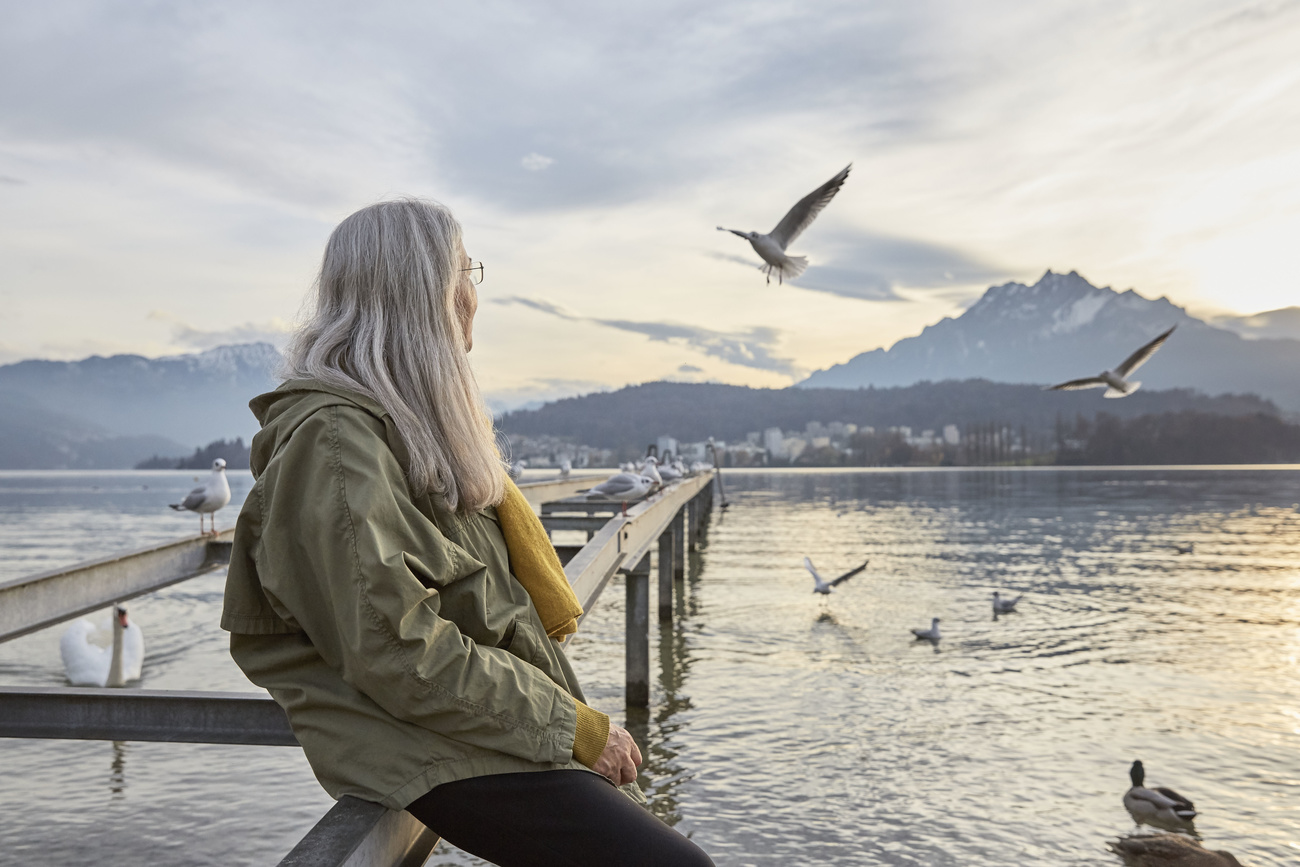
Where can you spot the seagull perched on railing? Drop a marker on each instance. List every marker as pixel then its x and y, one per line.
pixel 771 247
pixel 622 486
pixel 824 587
pixel 207 499
pixel 1116 381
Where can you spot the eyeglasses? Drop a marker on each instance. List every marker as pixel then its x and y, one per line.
pixel 475 270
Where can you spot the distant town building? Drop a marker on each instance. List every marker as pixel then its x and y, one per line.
pixel 951 435
pixel 774 442
pixel 666 445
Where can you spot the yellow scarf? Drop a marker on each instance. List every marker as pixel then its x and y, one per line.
pixel 535 564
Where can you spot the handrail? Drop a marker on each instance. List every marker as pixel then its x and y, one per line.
pixel 170 716
pixel 37 601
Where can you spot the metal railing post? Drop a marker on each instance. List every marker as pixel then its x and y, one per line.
pixel 637 637
pixel 665 558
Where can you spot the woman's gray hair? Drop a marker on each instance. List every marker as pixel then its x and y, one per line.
pixel 387 322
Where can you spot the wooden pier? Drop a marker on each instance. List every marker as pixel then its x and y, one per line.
pixel 621 538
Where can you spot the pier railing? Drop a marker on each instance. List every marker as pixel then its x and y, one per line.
pixel 354 833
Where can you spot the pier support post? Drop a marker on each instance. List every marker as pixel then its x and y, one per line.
pixel 637 636
pixel 666 576
pixel 693 510
pixel 679 543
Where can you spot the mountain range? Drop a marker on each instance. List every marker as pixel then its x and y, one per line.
pixel 114 412
pixel 634 416
pixel 1063 327
pixel 110 412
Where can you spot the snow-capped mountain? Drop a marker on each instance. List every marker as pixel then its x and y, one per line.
pixel 190 399
pixel 1063 327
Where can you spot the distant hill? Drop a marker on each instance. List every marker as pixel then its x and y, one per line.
pixel 118 411
pixel 1063 327
pixel 32 437
pixel 636 415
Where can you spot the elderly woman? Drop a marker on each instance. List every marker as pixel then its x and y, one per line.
pixel 392 590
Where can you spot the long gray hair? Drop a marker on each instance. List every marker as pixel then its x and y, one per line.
pixel 387 322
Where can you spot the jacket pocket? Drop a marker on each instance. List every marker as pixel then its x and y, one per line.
pixel 525 644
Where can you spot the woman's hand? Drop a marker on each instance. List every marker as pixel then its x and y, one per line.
pixel 620 759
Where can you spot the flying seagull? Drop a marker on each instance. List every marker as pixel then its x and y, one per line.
pixel 824 587
pixel 771 247
pixel 1116 381
pixel 207 499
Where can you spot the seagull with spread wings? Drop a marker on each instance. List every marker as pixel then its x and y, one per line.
pixel 771 247
pixel 1116 381
pixel 824 587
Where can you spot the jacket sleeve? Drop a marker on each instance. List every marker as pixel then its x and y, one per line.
pixel 346 557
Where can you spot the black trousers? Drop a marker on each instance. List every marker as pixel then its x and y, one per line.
pixel 552 819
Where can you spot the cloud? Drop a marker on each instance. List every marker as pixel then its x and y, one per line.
pixel 750 347
pixel 276 332
pixel 9 181
pixel 689 368
pixel 870 266
pixel 535 162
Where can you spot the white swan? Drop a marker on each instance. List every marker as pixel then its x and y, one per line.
pixel 99 656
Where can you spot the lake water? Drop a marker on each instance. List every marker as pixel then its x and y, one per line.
pixel 785 728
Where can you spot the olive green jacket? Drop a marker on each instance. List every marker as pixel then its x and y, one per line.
pixel 391 630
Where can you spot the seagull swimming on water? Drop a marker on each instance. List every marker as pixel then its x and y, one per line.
pixel 1004 606
pixel 207 499
pixel 824 587
pixel 931 634
pixel 1116 381
pixel 771 247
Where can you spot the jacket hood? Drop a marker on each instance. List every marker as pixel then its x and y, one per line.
pixel 280 412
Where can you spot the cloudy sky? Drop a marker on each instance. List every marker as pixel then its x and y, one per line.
pixel 169 171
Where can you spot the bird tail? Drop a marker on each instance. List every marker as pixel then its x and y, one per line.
pixel 1115 392
pixel 790 267
pixel 177 506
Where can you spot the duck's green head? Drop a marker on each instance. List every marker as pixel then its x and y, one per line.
pixel 1137 773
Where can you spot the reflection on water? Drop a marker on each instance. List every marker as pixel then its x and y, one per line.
pixel 787 728
pixel 117 772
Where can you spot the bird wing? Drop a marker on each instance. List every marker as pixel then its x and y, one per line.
pixel 806 210
pixel 1137 359
pixel 849 574
pixel 1178 799
pixel 195 498
pixel 807 564
pixel 1077 384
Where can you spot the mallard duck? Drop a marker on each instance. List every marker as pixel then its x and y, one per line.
pixel 1169 850
pixel 1156 806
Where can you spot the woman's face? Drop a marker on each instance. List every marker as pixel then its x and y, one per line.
pixel 466 301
